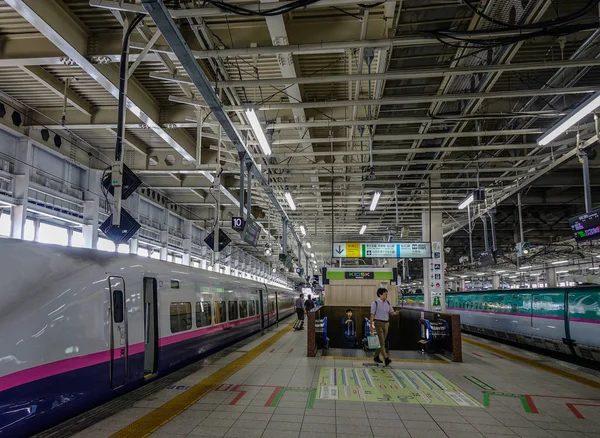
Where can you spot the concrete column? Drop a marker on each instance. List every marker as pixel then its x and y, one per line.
pixel 91 209
pixel 461 284
pixel 495 282
pixel 187 242
pixel 36 230
pixel 18 213
pixel 203 252
pixel 164 241
pixel 69 236
pixel 433 269
pixel 132 205
pixel 551 277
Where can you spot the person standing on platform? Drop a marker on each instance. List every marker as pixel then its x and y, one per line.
pixel 309 305
pixel 349 324
pixel 381 309
pixel 300 312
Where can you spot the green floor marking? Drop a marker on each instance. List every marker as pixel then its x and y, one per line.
pixel 311 399
pixel 524 401
pixel 390 386
pixel 480 384
pixel 278 397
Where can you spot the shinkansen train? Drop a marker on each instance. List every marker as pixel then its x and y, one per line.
pixel 559 320
pixel 79 326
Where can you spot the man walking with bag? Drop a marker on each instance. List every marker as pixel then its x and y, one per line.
pixel 381 309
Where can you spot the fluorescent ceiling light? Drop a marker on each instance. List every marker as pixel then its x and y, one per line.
pixel 537 274
pixel 560 262
pixel 514 276
pixel 375 201
pixel 586 108
pixel 312 254
pixel 561 272
pixel 480 273
pixel 288 197
pixel 466 202
pixel 499 272
pixel 594 268
pixel 303 230
pixel 525 267
pixel 308 245
pixel 362 229
pixel 257 128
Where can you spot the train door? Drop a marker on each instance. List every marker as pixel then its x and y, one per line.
pixel 276 307
pixel 150 326
pixel 119 344
pixel 261 308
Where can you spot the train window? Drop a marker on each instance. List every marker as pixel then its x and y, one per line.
pixel 118 306
pixel 220 312
pixel 243 309
pixel 251 308
pixel 203 314
pixel 233 310
pixel 181 317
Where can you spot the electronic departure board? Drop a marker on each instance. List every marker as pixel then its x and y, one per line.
pixel 586 227
pixel 252 232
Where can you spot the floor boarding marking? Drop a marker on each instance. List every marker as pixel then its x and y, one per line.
pixel 393 360
pixel 583 380
pixel 576 411
pixel 159 417
pixel 480 384
pixel 526 400
pixel 392 386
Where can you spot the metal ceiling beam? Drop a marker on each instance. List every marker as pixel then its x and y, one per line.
pixel 402 100
pixel 58 88
pixel 58 26
pixel 172 35
pixel 420 73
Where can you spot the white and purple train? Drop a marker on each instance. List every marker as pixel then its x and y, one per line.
pixel 79 326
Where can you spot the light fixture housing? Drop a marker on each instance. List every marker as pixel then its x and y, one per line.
pixel 290 201
pixel 582 110
pixel 362 230
pixel 257 129
pixel 303 230
pixel 375 200
pixel 560 262
pixel 466 202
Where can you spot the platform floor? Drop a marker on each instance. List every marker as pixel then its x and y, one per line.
pixel 268 388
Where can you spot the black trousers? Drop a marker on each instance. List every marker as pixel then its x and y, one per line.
pixel 300 313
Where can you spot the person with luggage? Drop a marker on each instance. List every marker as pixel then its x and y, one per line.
pixel 381 309
pixel 299 325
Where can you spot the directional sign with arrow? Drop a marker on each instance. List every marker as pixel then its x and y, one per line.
pixel 339 250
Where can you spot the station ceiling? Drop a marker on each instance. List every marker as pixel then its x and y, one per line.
pixel 357 97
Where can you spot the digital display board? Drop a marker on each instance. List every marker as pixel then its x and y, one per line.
pixel 586 227
pixel 359 275
pixel 252 232
pixel 399 250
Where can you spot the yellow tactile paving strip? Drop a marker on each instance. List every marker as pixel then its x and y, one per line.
pixel 161 416
pixel 362 359
pixel 535 364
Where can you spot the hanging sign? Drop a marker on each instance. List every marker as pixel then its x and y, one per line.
pixel 436 274
pixel 382 250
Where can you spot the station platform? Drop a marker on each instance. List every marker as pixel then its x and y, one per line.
pixel 266 387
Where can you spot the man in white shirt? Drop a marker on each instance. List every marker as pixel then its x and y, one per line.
pixel 381 309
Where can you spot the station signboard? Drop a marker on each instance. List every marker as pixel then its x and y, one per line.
pixel 382 250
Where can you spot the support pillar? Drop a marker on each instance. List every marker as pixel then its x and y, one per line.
pixel 187 242
pixel 133 208
pixel 69 236
pixel 587 189
pixel 462 284
pixel 36 230
pixel 551 277
pixel 20 193
pixel 164 242
pixel 284 235
pixel 91 210
pixel 433 269
pixel 495 282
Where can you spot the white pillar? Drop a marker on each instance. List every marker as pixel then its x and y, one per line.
pixel 36 230
pixel 69 236
pixel 164 236
pixel 187 242
pixel 433 269
pixel 18 213
pixel 91 209
pixel 495 282
pixel 132 205
pixel 551 277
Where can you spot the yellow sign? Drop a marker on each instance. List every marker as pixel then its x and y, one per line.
pixel 352 250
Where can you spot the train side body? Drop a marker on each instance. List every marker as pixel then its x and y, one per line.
pixel 66 347
pixel 558 320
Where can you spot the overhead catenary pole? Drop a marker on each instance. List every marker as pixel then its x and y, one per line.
pixel 242 177
pixel 470 234
pixel 520 208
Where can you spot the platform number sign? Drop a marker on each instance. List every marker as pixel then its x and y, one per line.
pixel 238 223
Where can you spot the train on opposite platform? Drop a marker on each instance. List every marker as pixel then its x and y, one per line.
pixel 561 320
pixel 81 326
